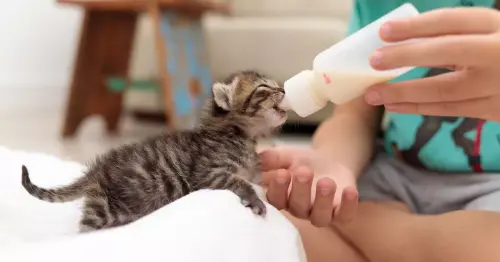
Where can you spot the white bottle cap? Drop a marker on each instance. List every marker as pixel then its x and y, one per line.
pixel 298 95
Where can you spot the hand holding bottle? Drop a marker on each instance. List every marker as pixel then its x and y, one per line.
pixel 466 40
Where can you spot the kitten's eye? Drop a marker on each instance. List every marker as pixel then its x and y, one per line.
pixel 261 94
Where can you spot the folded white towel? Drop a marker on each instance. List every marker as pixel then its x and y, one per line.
pixel 203 226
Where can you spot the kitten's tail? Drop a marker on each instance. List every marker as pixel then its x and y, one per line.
pixel 67 193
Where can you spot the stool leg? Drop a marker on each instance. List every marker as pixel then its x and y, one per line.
pixel 104 50
pixel 165 78
pixel 179 39
pixel 201 78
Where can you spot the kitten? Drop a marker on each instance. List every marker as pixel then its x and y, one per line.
pixel 134 180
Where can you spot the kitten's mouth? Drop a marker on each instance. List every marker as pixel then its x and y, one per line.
pixel 279 111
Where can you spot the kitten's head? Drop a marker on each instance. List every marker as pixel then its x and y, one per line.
pixel 250 100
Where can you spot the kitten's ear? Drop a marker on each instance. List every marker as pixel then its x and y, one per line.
pixel 223 95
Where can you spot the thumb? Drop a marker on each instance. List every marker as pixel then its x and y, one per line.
pixel 277 158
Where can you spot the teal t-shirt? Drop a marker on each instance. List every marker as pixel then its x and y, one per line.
pixel 445 144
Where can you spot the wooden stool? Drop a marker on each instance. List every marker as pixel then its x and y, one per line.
pixel 185 73
pixel 104 51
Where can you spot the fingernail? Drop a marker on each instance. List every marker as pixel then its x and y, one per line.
pixel 325 191
pixel 303 179
pixel 376 58
pixel 385 30
pixel 352 196
pixel 373 98
pixel 281 180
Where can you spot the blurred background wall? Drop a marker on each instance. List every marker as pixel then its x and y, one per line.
pixel 279 37
pixel 37 48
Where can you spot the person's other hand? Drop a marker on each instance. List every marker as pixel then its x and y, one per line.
pixel 466 40
pixel 308 186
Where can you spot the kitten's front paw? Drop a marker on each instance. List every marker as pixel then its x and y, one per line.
pixel 258 207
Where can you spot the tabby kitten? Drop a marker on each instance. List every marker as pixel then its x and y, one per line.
pixel 134 180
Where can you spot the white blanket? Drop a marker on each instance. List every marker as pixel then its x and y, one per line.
pixel 203 226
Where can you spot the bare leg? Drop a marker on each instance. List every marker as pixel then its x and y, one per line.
pixel 388 232
pixel 324 244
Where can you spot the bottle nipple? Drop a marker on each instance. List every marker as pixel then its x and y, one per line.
pixel 299 95
pixel 285 104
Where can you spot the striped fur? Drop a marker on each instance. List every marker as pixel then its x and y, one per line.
pixel 134 180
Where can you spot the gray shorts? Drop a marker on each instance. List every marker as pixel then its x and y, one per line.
pixel 425 192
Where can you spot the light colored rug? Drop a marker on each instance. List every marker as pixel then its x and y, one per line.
pixel 203 226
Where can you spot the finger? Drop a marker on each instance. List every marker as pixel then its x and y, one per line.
pixel 483 108
pixel 465 50
pixel 322 209
pixel 348 206
pixel 277 193
pixel 440 22
pixel 454 86
pixel 267 177
pixel 277 158
pixel 300 195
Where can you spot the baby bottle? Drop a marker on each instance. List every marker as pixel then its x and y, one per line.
pixel 343 72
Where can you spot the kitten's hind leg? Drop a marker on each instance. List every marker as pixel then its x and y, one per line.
pixel 90 223
pixel 85 228
pixel 241 188
pixel 94 215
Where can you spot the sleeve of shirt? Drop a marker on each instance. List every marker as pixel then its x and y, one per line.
pixel 355 19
